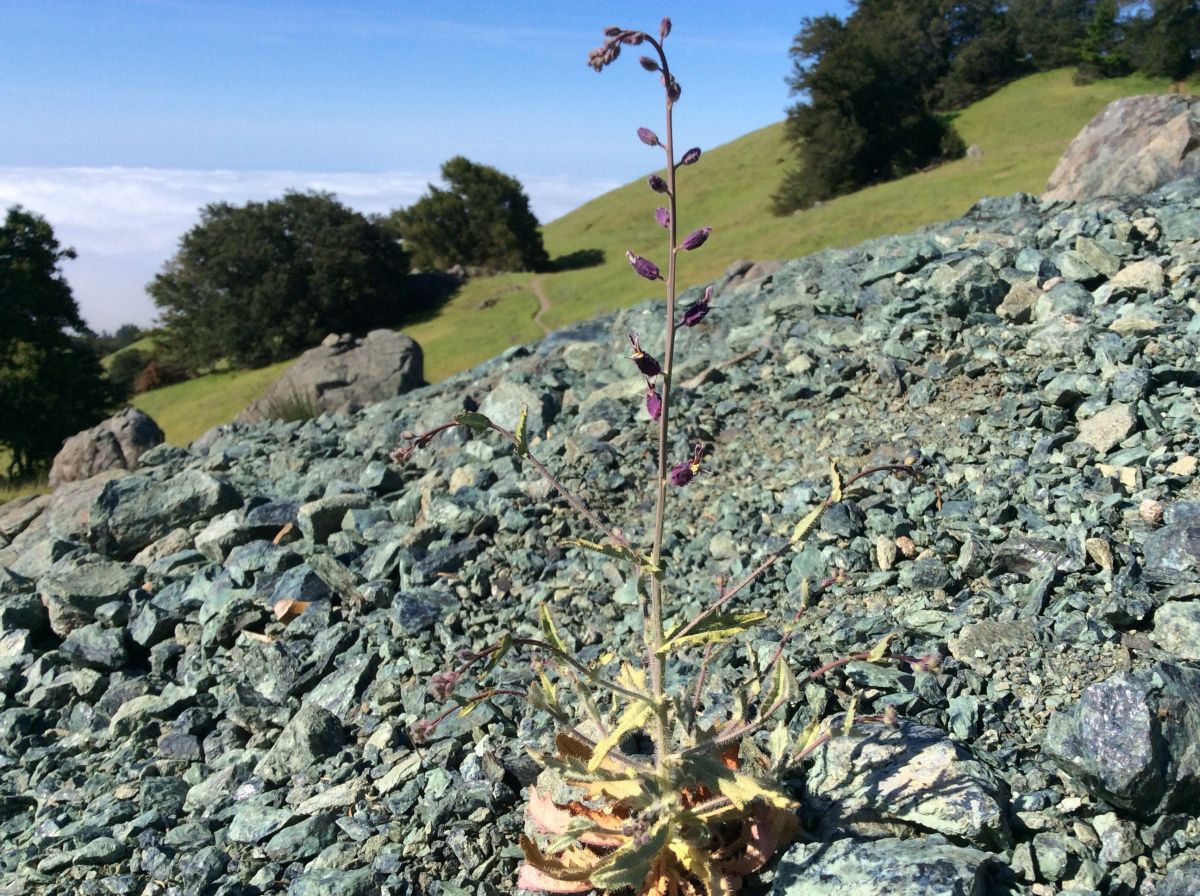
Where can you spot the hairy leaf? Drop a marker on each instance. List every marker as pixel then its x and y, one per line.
pixel 633 718
pixel 551 632
pixel 716 627
pixel 522 446
pixel 880 650
pixel 628 866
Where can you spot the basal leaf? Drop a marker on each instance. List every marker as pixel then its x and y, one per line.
pixel 742 789
pixel 632 718
pixel 629 865
pixel 778 744
pixel 473 420
pixel 716 627
pixel 574 865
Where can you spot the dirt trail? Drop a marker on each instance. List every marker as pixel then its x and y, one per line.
pixel 535 286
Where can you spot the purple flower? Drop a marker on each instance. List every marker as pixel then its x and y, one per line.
pixel 648 136
pixel 683 473
pixel 648 64
pixel 645 363
pixel 653 401
pixel 698 310
pixel 691 157
pixel 657 184
pixel 664 28
pixel 695 239
pixel 662 216
pixel 644 266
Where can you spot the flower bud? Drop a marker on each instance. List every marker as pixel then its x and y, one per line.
pixel 683 473
pixel 643 266
pixel 662 216
pixel 648 64
pixel 653 401
pixel 664 28
pixel 657 184
pixel 696 238
pixel 698 310
pixel 442 684
pixel 645 363
pixel 691 157
pixel 633 38
pixel 673 89
pixel 612 31
pixel 648 137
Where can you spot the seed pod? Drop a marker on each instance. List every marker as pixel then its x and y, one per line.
pixel 648 64
pixel 664 28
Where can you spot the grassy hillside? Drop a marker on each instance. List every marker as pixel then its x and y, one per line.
pixel 1021 130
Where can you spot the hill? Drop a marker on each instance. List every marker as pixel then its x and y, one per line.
pixel 1021 131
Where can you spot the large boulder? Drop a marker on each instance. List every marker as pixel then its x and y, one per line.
pixel 115 444
pixel 1134 145
pixel 341 375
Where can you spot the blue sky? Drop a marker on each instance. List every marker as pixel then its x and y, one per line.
pixel 121 118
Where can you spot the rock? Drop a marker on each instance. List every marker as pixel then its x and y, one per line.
pixel 1108 428
pixel 116 443
pixel 312 734
pixel 76 587
pixel 321 518
pixel 885 780
pixel 1018 303
pixel 1129 739
pixel 342 375
pixel 130 513
pixel 1141 276
pixel 1177 629
pixel 886 867
pixel 1133 145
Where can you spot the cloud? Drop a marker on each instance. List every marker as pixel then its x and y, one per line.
pixel 124 223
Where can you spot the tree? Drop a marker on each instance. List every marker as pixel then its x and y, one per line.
pixel 1103 52
pixel 1167 41
pixel 866 116
pixel 482 220
pixel 51 384
pixel 257 283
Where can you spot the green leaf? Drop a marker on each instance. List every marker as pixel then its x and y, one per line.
pixel 716 627
pixel 778 744
pixel 615 551
pixel 629 865
pixel 848 724
pixel 522 446
pixel 835 493
pixel 475 421
pixel 784 686
pixel 742 790
pixel 506 644
pixel 803 527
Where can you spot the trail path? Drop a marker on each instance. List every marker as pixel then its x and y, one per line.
pixel 535 286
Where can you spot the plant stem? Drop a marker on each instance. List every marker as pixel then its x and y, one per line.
pixel 654 617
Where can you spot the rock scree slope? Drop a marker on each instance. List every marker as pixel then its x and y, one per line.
pixel 163 729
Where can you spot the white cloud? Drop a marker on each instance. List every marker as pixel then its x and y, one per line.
pixel 126 222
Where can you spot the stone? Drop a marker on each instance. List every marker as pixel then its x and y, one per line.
pixel 1018 303
pixel 1130 739
pixel 1107 429
pixel 1177 629
pixel 1140 276
pixel 115 443
pixel 885 867
pixel 885 780
pixel 312 734
pixel 1132 145
pixel 321 518
pixel 132 512
pixel 342 375
pixel 76 587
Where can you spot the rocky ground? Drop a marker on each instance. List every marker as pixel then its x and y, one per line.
pixel 162 731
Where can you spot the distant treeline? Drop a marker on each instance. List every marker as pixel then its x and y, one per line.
pixel 874 88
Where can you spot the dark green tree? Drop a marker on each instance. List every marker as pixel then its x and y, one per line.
pixel 1048 32
pixel 482 219
pixel 865 115
pixel 258 283
pixel 1103 53
pixel 51 384
pixel 1167 40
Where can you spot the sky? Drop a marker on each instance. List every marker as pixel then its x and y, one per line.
pixel 121 119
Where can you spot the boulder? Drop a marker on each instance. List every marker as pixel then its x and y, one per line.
pixel 341 375
pixel 114 444
pixel 1134 145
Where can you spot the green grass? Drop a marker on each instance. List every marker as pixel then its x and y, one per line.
pixel 185 410
pixel 1022 130
pixel 146 345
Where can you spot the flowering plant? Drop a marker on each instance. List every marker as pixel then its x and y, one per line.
pixel 703 805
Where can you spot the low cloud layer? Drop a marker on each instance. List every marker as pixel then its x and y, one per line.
pixel 124 223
